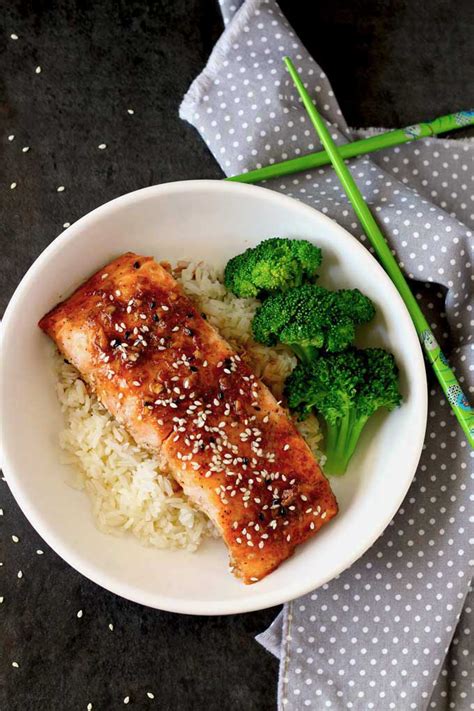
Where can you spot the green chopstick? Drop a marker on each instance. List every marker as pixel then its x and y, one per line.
pixel 443 124
pixel 448 381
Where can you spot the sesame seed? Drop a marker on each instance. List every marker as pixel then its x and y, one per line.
pixel 119 293
pixel 13 186
pixel 102 146
pixel 1 599
pixel 111 627
pixel 136 383
pixel 25 149
pixel 38 70
pixel 324 514
pixel 60 189
pixel 13 36
pixel 89 707
pixel 11 137
pixel 150 695
pixel 66 224
pixel 126 700
pixel 130 111
pixel 79 614
pixel 286 447
pixel 164 307
pixel 19 574
pixel 15 664
pixel 15 539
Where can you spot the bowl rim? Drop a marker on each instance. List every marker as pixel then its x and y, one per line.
pixel 194 606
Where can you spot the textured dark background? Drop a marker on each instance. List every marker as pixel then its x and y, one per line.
pixel 391 62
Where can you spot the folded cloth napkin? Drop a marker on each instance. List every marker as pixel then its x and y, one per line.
pixel 392 631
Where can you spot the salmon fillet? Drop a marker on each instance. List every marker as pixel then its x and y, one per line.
pixel 181 391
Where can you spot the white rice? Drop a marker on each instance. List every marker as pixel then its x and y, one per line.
pixel 126 488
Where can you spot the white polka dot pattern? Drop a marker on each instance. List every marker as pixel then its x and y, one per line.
pixel 229 8
pixel 390 632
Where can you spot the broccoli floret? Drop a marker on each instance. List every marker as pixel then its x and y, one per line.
pixel 275 264
pixel 310 317
pixel 345 389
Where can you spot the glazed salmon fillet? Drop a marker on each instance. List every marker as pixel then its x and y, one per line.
pixel 166 374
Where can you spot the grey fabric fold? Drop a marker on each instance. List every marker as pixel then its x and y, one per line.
pixel 389 633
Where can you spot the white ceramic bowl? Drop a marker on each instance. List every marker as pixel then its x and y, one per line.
pixel 212 221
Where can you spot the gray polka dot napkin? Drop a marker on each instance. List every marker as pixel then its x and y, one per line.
pixel 392 631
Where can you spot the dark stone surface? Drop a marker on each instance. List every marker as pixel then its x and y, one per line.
pixel 391 62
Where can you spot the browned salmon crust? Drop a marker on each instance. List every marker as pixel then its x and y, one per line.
pixel 164 372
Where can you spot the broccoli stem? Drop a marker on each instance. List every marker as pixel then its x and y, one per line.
pixel 306 354
pixel 341 440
